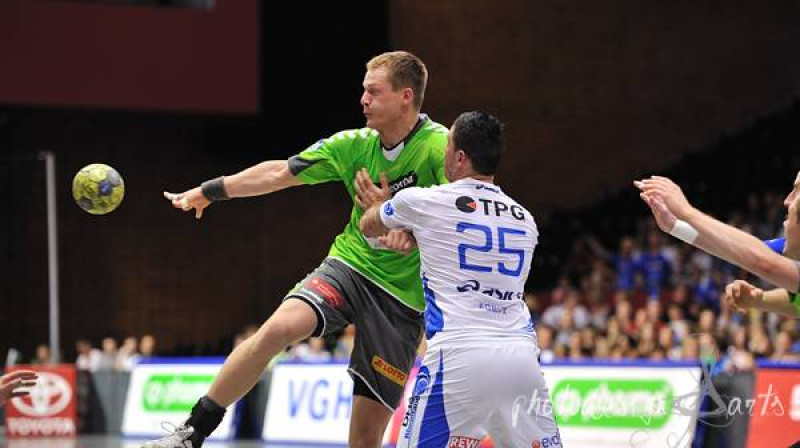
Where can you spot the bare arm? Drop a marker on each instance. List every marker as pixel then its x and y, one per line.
pixel 744 296
pixel 668 204
pixel 371 224
pixel 266 177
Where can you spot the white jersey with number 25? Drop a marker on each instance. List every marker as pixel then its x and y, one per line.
pixel 476 245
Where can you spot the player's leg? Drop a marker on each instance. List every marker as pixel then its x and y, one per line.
pixel 368 422
pixel 293 321
pixel 522 413
pixel 306 311
pixel 387 336
pixel 444 409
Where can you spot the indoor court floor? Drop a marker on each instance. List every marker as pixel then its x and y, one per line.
pixel 104 441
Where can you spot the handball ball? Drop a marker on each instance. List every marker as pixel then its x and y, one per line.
pixel 98 189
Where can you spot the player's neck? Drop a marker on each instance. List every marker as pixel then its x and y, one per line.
pixel 391 136
pixel 479 177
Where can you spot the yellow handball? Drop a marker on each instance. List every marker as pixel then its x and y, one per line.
pixel 98 189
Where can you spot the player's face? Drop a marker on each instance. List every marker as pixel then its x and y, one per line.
pixel 794 193
pixel 381 104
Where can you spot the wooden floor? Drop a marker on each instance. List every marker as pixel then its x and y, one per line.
pixel 117 442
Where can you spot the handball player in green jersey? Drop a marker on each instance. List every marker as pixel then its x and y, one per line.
pixel 361 281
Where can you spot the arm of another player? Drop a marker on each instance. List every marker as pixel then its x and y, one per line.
pixel 369 196
pixel 263 178
pixel 673 212
pixel 374 223
pixel 744 296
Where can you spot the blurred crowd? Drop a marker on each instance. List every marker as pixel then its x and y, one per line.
pixel 110 356
pixel 652 297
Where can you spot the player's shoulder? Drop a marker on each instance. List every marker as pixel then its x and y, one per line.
pixel 434 127
pixel 433 132
pixel 353 135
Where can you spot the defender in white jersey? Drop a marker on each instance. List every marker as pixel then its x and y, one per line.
pixel 476 246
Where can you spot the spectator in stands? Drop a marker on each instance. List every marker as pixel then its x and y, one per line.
pixel 601 350
pixel 344 345
pixel 532 302
pixel 43 355
pixel 313 350
pixel 739 358
pixel 544 334
pixel 147 346
pixel 623 262
pixel 88 357
pixel 690 349
pixel 676 322
pixel 759 344
pixel 565 329
pixel 655 266
pixel 623 316
pixel 783 348
pixel 128 355
pixel 108 355
pixel 598 309
pixel 575 347
pixel 666 342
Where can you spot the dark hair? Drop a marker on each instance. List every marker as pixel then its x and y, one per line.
pixel 480 136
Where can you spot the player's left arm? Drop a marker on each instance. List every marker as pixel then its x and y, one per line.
pixel 676 216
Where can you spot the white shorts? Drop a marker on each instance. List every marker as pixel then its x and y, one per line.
pixel 462 394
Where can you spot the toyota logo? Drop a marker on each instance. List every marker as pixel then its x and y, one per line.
pixel 48 397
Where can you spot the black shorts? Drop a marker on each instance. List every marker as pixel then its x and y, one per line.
pixel 387 331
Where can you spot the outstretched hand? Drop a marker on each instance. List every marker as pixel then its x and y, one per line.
pixel 188 200
pixel 669 192
pixel 664 217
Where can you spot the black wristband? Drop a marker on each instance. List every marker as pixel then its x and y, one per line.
pixel 214 189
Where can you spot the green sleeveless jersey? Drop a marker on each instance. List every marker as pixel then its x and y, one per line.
pixel 418 161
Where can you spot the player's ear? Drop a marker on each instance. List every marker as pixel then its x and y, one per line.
pixel 408 94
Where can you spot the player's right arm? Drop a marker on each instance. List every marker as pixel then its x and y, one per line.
pixel 316 164
pixel 744 296
pixel 264 178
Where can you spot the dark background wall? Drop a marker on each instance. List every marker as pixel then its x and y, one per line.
pixel 592 94
pixel 595 93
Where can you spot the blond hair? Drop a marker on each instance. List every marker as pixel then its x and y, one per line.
pixel 404 70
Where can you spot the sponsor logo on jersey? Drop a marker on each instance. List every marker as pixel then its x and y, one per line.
pixel 499 294
pixel 494 308
pixel 547 442
pixel 404 181
pixel 388 210
pixel 490 207
pixel 420 386
pixel 463 442
pixel 389 371
pixel 486 187
pixel 327 291
pixel 466 204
